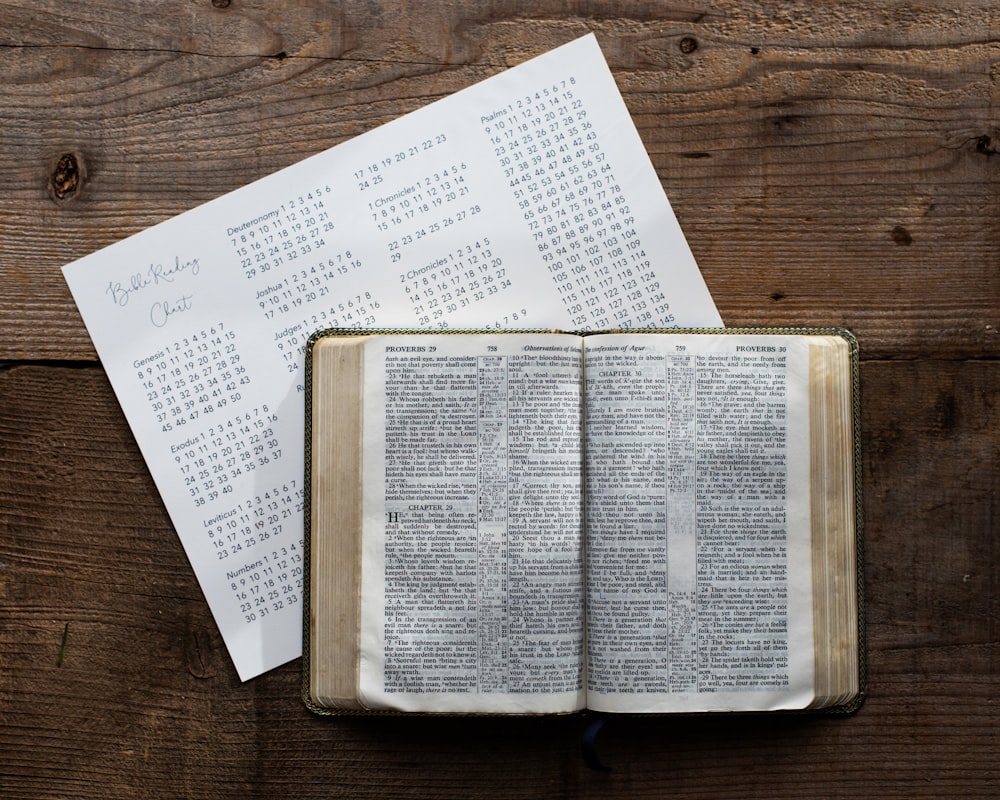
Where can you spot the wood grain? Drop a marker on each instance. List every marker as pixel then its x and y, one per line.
pixel 830 163
pixel 147 704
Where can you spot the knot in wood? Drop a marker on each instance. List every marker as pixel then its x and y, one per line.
pixel 67 177
pixel 984 145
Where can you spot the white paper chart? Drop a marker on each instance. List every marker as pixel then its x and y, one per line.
pixel 524 201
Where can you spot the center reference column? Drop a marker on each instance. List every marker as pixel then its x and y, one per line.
pixel 494 621
pixel 681 468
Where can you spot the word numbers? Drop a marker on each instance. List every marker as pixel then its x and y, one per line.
pixel 455 281
pixel 193 377
pixel 572 203
pixel 230 448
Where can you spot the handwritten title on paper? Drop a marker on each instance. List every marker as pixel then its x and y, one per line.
pixel 158 274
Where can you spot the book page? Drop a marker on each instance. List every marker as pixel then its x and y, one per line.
pixel 524 201
pixel 472 560
pixel 699 562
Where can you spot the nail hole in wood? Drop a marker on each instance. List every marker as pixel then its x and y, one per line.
pixel 901 236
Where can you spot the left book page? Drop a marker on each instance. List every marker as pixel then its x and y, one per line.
pixel 448 470
pixel 524 201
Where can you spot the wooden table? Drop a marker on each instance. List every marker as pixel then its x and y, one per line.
pixel 830 163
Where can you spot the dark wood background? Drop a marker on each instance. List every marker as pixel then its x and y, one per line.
pixel 830 163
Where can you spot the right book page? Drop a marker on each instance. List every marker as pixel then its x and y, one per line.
pixel 703 457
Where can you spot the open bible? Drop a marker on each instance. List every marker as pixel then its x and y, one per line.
pixel 542 522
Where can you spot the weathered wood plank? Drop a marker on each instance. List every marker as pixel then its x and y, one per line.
pixel 829 163
pixel 147 704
